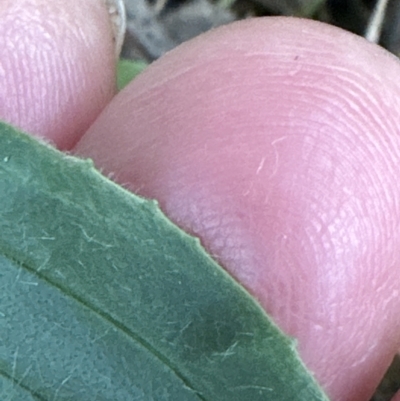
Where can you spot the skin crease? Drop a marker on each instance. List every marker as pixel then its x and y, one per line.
pixel 276 141
pixel 50 80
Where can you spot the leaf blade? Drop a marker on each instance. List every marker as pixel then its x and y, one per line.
pixel 127 70
pixel 139 274
pixel 80 339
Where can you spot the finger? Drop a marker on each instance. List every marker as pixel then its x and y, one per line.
pixel 276 141
pixel 396 397
pixel 57 66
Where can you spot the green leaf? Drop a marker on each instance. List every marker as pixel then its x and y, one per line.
pixel 127 71
pixel 103 298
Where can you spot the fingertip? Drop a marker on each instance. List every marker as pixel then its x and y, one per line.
pixel 57 66
pixel 276 141
pixel 396 397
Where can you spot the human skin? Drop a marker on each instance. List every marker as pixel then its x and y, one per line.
pixel 276 142
pixel 56 66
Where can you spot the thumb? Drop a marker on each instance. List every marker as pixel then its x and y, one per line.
pixel 276 141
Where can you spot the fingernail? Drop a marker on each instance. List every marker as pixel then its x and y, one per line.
pixel 116 10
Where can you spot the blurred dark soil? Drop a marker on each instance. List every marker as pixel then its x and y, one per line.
pixel 156 26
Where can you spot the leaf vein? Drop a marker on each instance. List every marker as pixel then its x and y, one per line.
pixel 20 383
pixel 105 316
